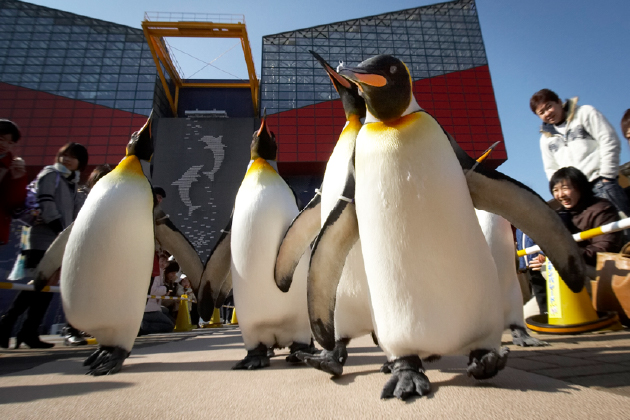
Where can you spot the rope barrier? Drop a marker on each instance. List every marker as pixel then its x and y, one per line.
pixel 28 287
pixel 55 289
pixel 587 234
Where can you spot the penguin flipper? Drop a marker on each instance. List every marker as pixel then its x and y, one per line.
pixel 299 236
pixel 51 262
pixel 328 257
pixel 497 193
pixel 174 241
pixel 224 291
pixel 214 274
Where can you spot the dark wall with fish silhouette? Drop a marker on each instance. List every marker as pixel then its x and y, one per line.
pixel 200 163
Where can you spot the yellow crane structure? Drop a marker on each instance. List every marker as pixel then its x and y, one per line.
pixel 158 25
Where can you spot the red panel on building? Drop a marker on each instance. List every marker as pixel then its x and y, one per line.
pixel 49 121
pixel 462 102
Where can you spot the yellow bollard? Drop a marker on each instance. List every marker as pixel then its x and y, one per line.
pixel 234 319
pixel 568 312
pixel 183 323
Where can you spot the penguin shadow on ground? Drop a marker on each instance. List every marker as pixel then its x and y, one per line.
pixel 32 393
pixel 277 362
pixel 357 357
pixel 24 361
pixel 507 379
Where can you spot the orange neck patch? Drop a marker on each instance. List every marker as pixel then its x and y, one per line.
pixel 130 164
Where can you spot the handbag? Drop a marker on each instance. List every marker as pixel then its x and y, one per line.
pixel 611 288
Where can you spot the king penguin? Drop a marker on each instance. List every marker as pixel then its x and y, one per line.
pixel 353 314
pixel 110 249
pixel 410 205
pixel 263 210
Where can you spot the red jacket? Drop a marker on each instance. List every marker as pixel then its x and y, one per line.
pixel 12 196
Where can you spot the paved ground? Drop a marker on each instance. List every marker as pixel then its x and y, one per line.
pixel 187 375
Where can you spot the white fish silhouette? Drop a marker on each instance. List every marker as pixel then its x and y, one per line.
pixel 183 185
pixel 214 144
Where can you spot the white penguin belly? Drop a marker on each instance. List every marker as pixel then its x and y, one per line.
pixel 262 214
pixel 498 234
pixel 353 312
pixel 108 260
pixel 432 280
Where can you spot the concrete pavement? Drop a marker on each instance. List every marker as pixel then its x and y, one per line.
pixel 187 375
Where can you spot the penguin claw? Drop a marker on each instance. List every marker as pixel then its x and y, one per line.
pixel 106 361
pixel 484 364
pixel 255 359
pixel 329 361
pixel 387 367
pixel 325 361
pixel 299 351
pixel 252 362
pixel 520 337
pixel 408 379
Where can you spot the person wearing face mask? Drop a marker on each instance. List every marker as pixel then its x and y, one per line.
pixel 581 210
pixel 59 205
pixel 580 136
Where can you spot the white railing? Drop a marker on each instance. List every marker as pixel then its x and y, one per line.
pixel 193 17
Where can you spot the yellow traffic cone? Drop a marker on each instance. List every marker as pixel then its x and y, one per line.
pixel 183 323
pixel 568 312
pixel 234 319
pixel 215 321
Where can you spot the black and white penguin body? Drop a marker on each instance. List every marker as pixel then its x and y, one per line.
pixel 352 311
pixel 412 205
pixel 263 210
pixel 110 249
pixel 498 234
pixel 353 314
pixel 108 258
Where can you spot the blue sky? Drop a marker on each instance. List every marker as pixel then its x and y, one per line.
pixel 574 47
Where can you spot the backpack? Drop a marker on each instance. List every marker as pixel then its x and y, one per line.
pixel 28 215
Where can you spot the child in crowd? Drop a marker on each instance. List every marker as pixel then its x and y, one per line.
pixel 185 288
pixel 171 281
pixel 156 318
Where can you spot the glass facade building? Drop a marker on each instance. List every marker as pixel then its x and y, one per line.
pixel 65 77
pixel 442 46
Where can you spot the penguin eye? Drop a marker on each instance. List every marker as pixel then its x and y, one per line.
pixel 393 69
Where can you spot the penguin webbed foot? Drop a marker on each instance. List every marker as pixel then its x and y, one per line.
pixel 300 350
pixel 484 363
pixel 408 379
pixel 329 361
pixel 255 359
pixel 520 337
pixel 106 360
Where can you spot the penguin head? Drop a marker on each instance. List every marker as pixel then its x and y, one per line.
pixel 264 142
pixel 385 83
pixel 141 143
pixel 353 103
